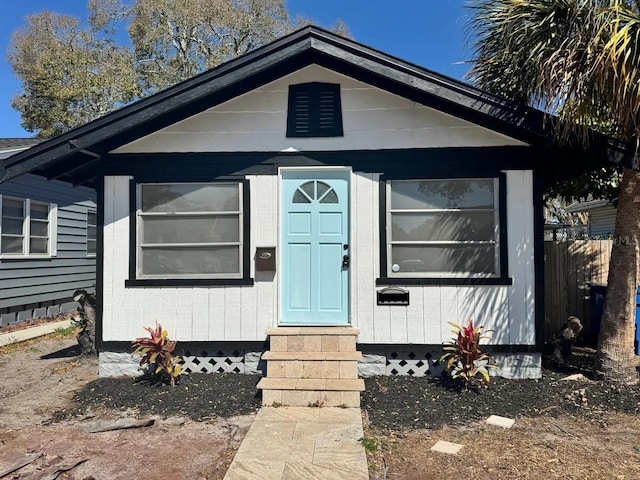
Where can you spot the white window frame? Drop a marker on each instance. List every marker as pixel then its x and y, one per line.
pixel 52 229
pixel 495 242
pixel 240 244
pixel 94 239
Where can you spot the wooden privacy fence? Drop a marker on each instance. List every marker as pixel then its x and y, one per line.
pixel 569 268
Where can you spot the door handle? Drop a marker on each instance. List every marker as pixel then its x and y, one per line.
pixel 345 261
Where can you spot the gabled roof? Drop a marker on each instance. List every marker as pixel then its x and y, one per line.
pixel 11 146
pixel 588 205
pixel 74 153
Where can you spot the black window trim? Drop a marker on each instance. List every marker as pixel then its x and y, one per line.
pixel 503 277
pixel 134 281
pixel 314 89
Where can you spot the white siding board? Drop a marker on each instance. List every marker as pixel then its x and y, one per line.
pixel 217 313
pixel 520 253
pixel 364 251
pixel 200 314
pixel 138 314
pixel 154 312
pixel 433 323
pixel 372 118
pixel 108 256
pixel 120 256
pixel 466 304
pixel 248 312
pixel 168 299
pixel 232 313
pixel 493 314
pixel 448 310
pixel 399 331
pixel 528 335
pixel 264 214
pixel 382 323
pixel 184 315
pixel 416 315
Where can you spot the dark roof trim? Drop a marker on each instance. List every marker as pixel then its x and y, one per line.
pixel 310 45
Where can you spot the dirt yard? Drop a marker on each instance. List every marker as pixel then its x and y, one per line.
pixel 39 381
pixel 49 399
pixel 540 448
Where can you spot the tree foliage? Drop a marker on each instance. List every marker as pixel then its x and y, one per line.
pixel 581 59
pixel 71 75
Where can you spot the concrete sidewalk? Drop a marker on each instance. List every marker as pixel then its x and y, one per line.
pixel 298 443
pixel 32 332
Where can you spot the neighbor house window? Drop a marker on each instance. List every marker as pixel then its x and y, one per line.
pixel 92 228
pixel 26 227
pixel 443 228
pixel 190 230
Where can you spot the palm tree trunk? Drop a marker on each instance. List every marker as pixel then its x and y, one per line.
pixel 616 359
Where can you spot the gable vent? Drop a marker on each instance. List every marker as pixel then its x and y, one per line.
pixel 314 110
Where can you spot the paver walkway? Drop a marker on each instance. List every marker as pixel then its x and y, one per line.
pixel 298 443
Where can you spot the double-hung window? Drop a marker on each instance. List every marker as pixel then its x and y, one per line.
pixel 443 228
pixel 190 230
pixel 26 227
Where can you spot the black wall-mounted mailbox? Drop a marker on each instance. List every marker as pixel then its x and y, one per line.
pixel 266 259
pixel 393 296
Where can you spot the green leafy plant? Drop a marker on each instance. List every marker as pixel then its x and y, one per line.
pixel 464 358
pixel 157 355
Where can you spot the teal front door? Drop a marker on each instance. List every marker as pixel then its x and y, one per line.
pixel 315 248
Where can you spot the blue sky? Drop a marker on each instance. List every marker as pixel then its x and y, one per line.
pixel 430 33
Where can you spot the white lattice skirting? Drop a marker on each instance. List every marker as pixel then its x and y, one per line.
pixel 413 361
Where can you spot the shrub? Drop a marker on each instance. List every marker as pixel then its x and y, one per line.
pixel 157 358
pixel 464 358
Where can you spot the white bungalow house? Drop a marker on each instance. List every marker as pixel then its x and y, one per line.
pixel 313 196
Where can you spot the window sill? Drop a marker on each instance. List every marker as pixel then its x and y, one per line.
pixel 186 282
pixel 443 281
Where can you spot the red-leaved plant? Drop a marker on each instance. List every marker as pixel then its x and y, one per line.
pixel 156 352
pixel 464 358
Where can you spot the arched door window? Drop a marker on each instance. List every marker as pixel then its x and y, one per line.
pixel 315 191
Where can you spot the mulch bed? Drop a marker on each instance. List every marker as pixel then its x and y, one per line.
pixel 198 396
pixel 401 403
pixel 391 402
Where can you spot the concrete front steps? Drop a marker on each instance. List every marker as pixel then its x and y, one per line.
pixel 312 366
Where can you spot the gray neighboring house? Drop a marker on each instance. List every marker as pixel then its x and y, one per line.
pixel 47 242
pixel 602 217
